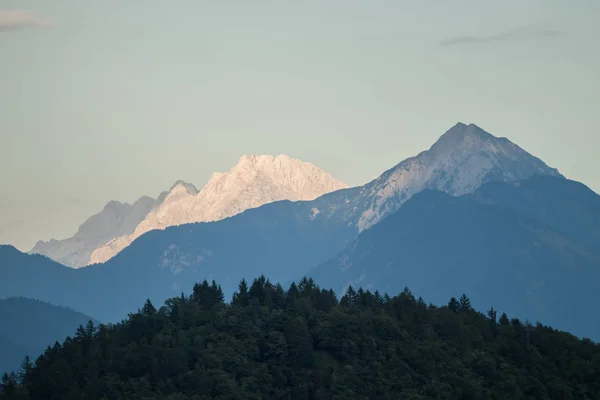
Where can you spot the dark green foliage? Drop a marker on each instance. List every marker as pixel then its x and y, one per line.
pixel 453 304
pixel 465 303
pixel 304 344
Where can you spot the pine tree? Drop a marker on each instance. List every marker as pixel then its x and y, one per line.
pixel 465 303
pixel 148 308
pixel 90 329
pixel 492 314
pixel 453 304
pixel 349 298
pixel 257 288
pixel 9 384
pixel 26 368
pixel 504 321
pixel 240 297
pixel 378 297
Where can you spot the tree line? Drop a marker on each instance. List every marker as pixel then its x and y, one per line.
pixel 305 343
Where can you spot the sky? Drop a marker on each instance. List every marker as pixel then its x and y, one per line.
pixel 112 100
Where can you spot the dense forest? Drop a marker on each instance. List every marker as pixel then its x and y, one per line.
pixel 305 343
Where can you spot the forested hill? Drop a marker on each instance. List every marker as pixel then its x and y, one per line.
pixel 303 343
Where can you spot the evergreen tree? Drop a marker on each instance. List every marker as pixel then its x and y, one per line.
pixel 465 303
pixel 90 329
pixel 453 304
pixel 9 385
pixel 492 315
pixel 504 321
pixel 26 368
pixel 148 309
pixel 349 297
pixel 241 296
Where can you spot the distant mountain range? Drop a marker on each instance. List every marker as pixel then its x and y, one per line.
pixel 255 180
pixel 115 219
pixel 29 326
pixel 280 239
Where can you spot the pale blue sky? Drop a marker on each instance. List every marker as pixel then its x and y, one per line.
pixel 115 99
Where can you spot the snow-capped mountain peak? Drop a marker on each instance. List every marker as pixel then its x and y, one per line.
pixel 255 180
pixel 460 161
pixel 465 138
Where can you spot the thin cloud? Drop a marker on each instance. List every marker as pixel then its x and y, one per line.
pixel 518 34
pixel 21 19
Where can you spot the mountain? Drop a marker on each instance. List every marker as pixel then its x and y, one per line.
pixel 305 344
pixel 280 240
pixel 29 326
pixel 530 248
pixel 115 219
pixel 37 277
pixel 255 180
pixel 465 157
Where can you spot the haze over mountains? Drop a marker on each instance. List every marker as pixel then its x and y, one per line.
pixel 284 240
pixel 255 180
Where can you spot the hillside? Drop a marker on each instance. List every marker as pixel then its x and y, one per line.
pixel 513 246
pixel 303 343
pixel 29 326
pixel 37 277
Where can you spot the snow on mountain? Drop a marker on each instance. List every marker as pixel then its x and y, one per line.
pixel 254 181
pixel 460 161
pixel 115 219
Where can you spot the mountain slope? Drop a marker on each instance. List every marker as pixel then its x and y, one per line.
pixel 278 239
pixel 33 275
pixel 462 159
pixel 29 326
pixel 517 256
pixel 115 219
pixel 570 207
pixel 281 239
pixel 255 180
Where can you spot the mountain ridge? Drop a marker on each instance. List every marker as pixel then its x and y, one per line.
pixel 115 218
pixel 255 180
pixel 121 223
pixel 281 240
